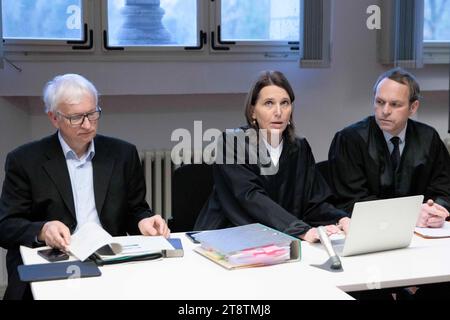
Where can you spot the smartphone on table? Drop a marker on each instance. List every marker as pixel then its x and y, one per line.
pixel 53 254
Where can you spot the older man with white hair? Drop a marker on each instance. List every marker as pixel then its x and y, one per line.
pixel 55 185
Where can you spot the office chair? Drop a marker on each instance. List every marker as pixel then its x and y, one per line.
pixel 191 186
pixel 324 170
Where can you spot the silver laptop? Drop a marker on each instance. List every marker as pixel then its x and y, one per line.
pixel 380 225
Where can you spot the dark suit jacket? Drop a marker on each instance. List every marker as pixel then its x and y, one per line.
pixel 293 200
pixel 37 189
pixel 361 170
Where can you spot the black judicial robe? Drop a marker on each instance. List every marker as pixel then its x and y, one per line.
pixel 292 201
pixel 360 167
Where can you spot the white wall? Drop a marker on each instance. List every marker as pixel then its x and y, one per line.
pixel 148 121
pixel 433 110
pixel 15 130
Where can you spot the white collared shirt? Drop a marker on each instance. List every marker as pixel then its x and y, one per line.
pixel 275 153
pixel 82 182
pixel 401 135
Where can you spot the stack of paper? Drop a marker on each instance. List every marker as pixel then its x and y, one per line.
pixel 271 254
pixel 248 246
pixel 92 238
pixel 134 247
pixel 434 233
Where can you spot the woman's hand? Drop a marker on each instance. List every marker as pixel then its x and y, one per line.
pixel 313 236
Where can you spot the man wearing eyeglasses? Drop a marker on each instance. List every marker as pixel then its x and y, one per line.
pixel 55 185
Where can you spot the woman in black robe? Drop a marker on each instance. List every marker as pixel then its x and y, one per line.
pixel 267 174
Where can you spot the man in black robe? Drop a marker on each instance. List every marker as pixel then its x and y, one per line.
pixel 388 155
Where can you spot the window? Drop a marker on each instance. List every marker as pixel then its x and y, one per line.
pixel 1 42
pixel 256 25
pixel 163 29
pixel 436 33
pixel 437 20
pixel 42 19
pixel 260 20
pixel 41 25
pixel 149 23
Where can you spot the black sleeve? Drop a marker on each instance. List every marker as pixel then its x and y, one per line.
pixel 244 185
pixel 319 211
pixel 138 206
pixel 16 226
pixel 348 178
pixel 439 186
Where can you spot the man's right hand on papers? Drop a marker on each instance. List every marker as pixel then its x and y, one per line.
pixel 154 226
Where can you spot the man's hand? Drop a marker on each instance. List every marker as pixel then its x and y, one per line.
pixel 344 224
pixel 432 215
pixel 55 234
pixel 154 226
pixel 313 236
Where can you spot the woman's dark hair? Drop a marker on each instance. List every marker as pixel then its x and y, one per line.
pixel 269 78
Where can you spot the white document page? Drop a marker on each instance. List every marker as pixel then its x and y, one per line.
pixel 435 232
pixel 89 238
pixel 139 245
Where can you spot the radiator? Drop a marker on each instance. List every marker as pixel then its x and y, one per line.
pixel 3 272
pixel 158 170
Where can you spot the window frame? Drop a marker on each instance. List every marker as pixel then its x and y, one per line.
pixel 47 45
pixel 436 52
pixel 158 49
pixel 95 19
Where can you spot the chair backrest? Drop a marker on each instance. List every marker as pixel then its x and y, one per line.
pixel 324 170
pixel 191 186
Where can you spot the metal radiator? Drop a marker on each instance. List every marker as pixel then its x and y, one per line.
pixel 3 272
pixel 158 170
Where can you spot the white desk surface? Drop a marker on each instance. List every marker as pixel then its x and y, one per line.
pixel 424 261
pixel 192 277
pixel 196 278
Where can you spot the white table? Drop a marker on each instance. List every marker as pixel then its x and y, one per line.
pixel 195 277
pixel 424 261
pixel 191 277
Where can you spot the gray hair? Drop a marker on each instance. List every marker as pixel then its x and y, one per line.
pixel 67 88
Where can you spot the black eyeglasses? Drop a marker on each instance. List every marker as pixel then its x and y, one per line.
pixel 78 119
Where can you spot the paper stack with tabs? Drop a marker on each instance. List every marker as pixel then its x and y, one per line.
pixel 250 245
